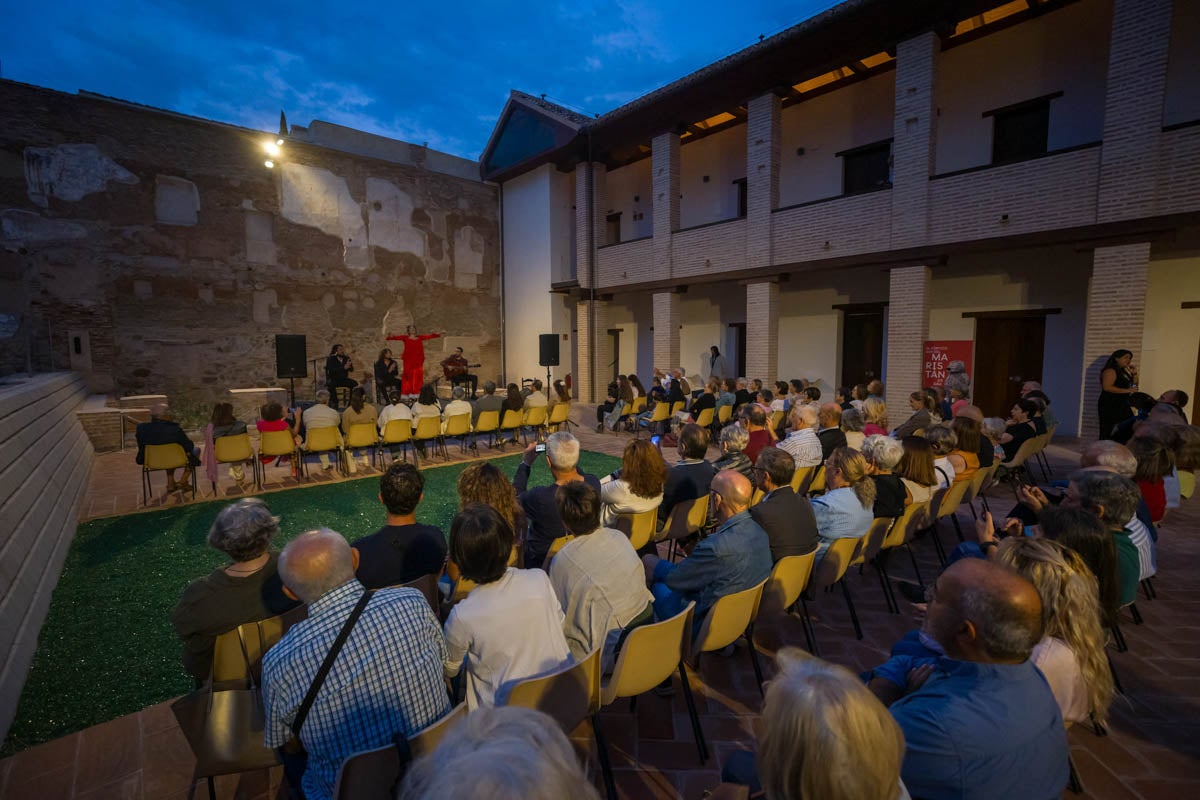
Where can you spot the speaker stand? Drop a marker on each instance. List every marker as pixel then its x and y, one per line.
pixel 292 393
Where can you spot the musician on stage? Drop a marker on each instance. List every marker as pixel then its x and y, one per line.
pixel 455 369
pixel 387 373
pixel 413 358
pixel 337 372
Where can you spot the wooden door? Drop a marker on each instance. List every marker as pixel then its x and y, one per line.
pixel 862 345
pixel 736 361
pixel 614 347
pixel 1008 352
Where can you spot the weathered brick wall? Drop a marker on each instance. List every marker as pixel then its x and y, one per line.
pixel 336 246
pixel 1179 171
pixel 1115 319
pixel 762 176
pixel 1042 194
pixel 103 429
pixel 850 225
pixel 712 248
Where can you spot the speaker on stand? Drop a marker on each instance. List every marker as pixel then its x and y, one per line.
pixel 291 362
pixel 548 354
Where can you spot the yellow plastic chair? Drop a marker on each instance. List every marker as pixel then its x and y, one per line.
pixel 1187 483
pixel 429 429
pixel 832 569
pixel 275 444
pixel 731 617
pixel 648 656
pixel 555 546
pixel 724 414
pixel 802 478
pixel 1016 465
pixel 776 419
pixel 626 415
pixel 677 407
pixel 464 586
pixel 638 527
pixel 560 415
pixel 686 519
pixel 372 774
pixel 161 457
pixel 569 695
pixel 510 423
pixel 944 503
pixel 785 588
pixel 902 534
pixel 457 427
pixel 757 497
pixel 535 419
pixel 705 418
pixel 396 432
pixel 322 440
pixel 231 663
pixel 235 450
pixel 817 484
pixel 639 404
pixel 362 436
pixel 662 413
pixel 489 423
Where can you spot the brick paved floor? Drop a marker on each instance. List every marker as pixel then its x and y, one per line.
pixel 1152 751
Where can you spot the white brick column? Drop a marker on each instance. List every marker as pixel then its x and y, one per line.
pixel 664 159
pixel 907 330
pixel 592 350
pixel 762 331
pixel 666 330
pixel 593 208
pixel 914 138
pixel 762 177
pixel 1133 103
pixel 1116 312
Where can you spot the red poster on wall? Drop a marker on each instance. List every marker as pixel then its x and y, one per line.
pixel 939 354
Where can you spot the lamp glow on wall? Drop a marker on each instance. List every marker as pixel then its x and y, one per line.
pixel 273 150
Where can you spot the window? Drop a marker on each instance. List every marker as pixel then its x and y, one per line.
pixel 866 168
pixel 612 228
pixel 740 185
pixel 1022 130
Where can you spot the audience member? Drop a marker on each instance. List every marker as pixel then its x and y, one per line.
pixel 875 416
pixel 488 402
pixel 482 482
pixel 163 429
pixel 358 412
pixel 1048 417
pixel 734 558
pixel 859 396
pixel 706 400
pixel 536 397
pixel 982 721
pixel 852 426
pixel 403 549
pixel 1113 499
pixel 726 396
pixel 734 439
pixel 1178 398
pixel 560 395
pixel 942 440
pixel 506 753
pixel 246 590
pixel 921 405
pixel 597 577
pixel 802 443
pixel 394 410
pixel 916 469
pixel 1118 380
pixel 844 397
pixel 760 434
pixel 508 606
pixel 320 416
pixel 457 407
pixel 883 454
pixel 385 680
pixel 986 452
pixel 691 476
pixel 562 456
pixel 635 385
pixel 1083 533
pixel 874 389
pixel 222 424
pixel 741 393
pixel 637 486
pixel 1154 462
pixel 847 508
pixel 786 517
pixel 993 429
pixel 965 455
pixel 829 428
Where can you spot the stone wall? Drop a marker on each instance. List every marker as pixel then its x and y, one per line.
pixel 155 252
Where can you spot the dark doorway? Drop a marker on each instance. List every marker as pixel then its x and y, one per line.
pixel 614 344
pixel 862 343
pixel 1008 352
pixel 1195 398
pixel 737 364
pixel 612 229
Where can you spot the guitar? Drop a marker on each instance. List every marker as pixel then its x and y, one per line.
pixel 453 370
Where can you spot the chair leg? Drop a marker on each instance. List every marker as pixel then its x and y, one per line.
pixel 957 527
pixel 887 595
pixel 810 633
pixel 1119 639
pixel 754 659
pixel 701 745
pixel 986 507
pixel 1112 668
pixel 212 789
pixel 1137 617
pixel 610 785
pixel 1148 589
pixel 1074 784
pixel 937 544
pixel 850 607
pixel 916 569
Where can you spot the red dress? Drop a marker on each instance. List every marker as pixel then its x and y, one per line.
pixel 413 359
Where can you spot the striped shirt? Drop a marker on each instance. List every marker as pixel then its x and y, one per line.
pixel 387 679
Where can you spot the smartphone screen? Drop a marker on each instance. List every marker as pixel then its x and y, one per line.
pixel 540 448
pixel 654 440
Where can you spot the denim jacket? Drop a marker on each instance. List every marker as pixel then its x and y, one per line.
pixel 735 558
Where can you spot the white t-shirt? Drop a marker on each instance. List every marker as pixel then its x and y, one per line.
pixel 618 500
pixel 920 494
pixel 394 411
pixel 506 631
pixel 1061 670
pixel 944 471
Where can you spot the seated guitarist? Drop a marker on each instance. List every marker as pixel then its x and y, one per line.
pixel 455 368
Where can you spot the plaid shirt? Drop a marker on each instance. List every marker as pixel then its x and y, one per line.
pixel 386 680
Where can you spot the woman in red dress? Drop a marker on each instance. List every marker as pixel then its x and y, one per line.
pixel 413 359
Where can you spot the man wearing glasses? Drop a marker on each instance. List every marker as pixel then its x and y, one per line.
pixel 787 518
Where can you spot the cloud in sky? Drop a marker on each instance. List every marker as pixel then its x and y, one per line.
pixel 437 73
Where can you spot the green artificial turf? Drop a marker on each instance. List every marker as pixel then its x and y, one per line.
pixel 107 647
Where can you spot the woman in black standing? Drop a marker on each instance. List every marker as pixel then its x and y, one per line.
pixel 1118 380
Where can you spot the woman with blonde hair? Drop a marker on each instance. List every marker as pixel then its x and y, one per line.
pixel 481 482
pixel 875 414
pixel 637 486
pixel 824 735
pixel 846 510
pixel 1071 656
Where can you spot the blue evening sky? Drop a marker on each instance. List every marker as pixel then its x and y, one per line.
pixel 435 72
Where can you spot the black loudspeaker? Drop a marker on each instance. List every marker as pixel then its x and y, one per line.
pixel 548 350
pixel 291 356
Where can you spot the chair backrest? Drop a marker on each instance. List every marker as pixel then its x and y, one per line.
pixel 686 518
pixel 776 418
pixel 428 428
pixel 950 499
pixel 905 525
pixel 397 431
pixel 639 404
pixel 320 439
pixel 164 456
pixel 728 619
pixel 535 416
pixel 276 443
pixel 801 479
pixel 361 434
pixel 229 662
pixel 873 541
pixel 512 419
pixel 662 412
pixel 724 414
pixel 458 425
pixel 757 497
pixel 638 527
pixel 569 694
pixel 428 586
pixel 836 560
pixel 817 484
pixel 789 576
pixel 1024 453
pixel 228 449
pixel 649 655
pixel 488 421
pixel 705 418
pixel 372 774
pixel 559 413
pixel 677 407
pixel 627 410
pixel 555 546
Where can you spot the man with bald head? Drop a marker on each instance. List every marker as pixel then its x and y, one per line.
pixel 386 678
pixel 981 722
pixel 734 558
pixel 163 429
pixel 829 429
